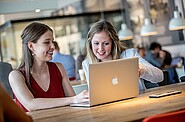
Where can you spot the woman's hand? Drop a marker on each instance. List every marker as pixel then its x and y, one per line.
pixel 140 72
pixel 82 97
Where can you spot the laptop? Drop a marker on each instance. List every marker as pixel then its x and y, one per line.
pixel 176 60
pixel 112 81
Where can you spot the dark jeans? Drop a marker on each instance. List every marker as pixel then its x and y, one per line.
pixel 182 79
pixel 149 85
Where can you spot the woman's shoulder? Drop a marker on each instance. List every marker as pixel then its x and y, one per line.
pixel 85 62
pixel 16 72
pixel 129 53
pixel 133 50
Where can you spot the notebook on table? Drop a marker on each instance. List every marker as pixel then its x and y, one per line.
pixel 112 81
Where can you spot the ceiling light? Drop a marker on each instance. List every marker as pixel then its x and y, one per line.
pixel 177 23
pixel 148 29
pixel 125 33
pixel 37 10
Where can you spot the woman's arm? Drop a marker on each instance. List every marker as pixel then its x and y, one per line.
pixel 151 73
pixel 23 94
pixel 148 71
pixel 68 90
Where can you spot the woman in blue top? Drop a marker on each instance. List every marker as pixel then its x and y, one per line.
pixel 103 44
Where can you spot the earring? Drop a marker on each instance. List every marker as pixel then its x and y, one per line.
pixel 32 54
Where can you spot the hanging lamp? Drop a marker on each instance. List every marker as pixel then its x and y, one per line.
pixel 125 33
pixel 177 23
pixel 148 29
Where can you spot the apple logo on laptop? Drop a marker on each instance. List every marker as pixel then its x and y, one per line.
pixel 115 80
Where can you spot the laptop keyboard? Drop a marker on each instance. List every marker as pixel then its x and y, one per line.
pixel 87 102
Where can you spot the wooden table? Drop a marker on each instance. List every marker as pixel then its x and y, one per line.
pixel 127 110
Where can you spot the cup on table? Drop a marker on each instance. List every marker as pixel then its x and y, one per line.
pixel 82 74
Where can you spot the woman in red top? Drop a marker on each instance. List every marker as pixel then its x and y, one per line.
pixel 38 83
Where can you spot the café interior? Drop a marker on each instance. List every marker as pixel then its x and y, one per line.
pixel 138 23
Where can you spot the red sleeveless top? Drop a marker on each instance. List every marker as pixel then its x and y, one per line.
pixel 55 89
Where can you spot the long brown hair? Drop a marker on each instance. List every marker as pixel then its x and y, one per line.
pixel 31 33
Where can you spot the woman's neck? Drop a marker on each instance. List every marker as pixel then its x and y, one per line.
pixel 39 68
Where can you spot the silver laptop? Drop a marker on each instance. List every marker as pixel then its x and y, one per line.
pixel 112 81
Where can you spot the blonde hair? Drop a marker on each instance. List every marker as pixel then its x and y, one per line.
pixel 117 46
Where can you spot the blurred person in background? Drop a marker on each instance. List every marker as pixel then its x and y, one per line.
pixel 153 55
pixel 80 58
pixel 66 60
pixel 172 73
pixel 141 51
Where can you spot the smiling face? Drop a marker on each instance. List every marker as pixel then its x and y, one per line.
pixel 101 46
pixel 43 48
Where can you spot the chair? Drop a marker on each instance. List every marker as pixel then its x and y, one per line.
pixel 182 79
pixel 149 85
pixel 166 78
pixel 5 69
pixel 176 116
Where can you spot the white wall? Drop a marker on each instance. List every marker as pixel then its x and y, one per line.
pixel 176 50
